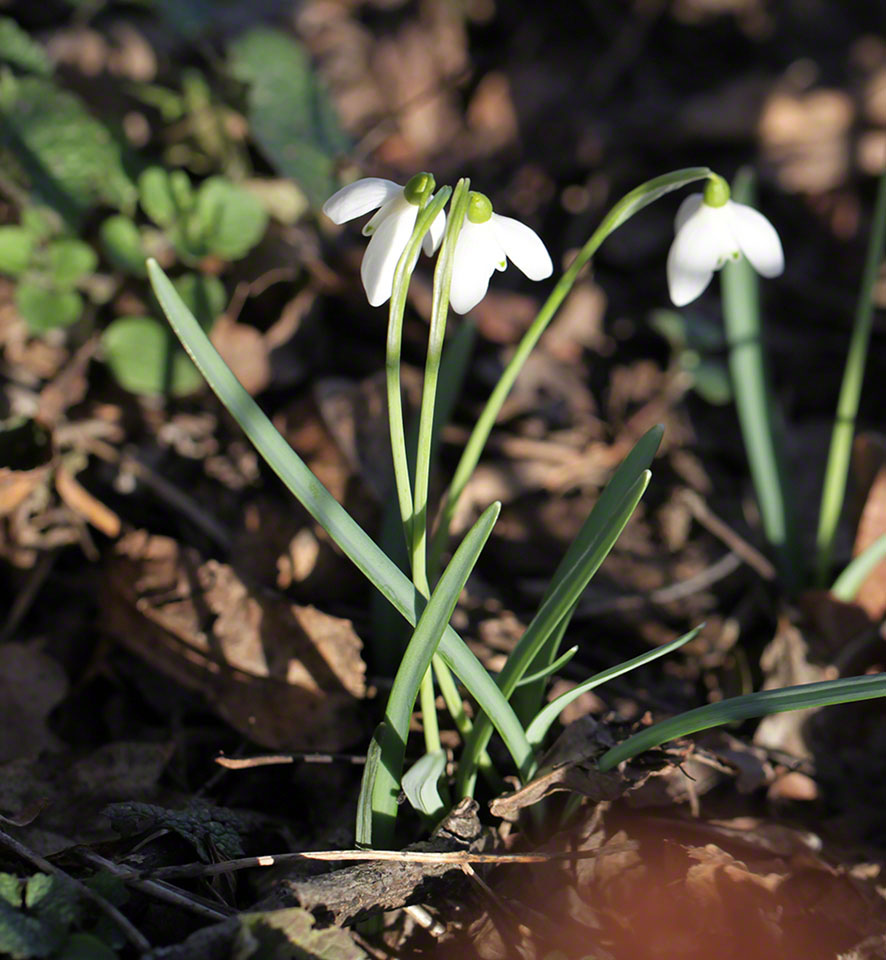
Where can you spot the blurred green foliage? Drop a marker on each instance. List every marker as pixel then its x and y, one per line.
pixel 45 916
pixel 84 209
pixel 290 115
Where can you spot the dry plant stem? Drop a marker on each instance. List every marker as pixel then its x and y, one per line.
pixel 157 888
pixel 129 931
pixel 457 858
pixel 723 532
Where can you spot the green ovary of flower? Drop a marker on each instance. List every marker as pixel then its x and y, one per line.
pixel 479 207
pixel 716 192
pixel 418 187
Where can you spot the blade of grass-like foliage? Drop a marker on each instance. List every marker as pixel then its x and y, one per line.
pixel 750 705
pixel 387 624
pixel 537 730
pixel 364 800
pixel 421 784
pixel 561 661
pixel 527 702
pixel 847 585
pixel 354 542
pixel 560 601
pixel 629 204
pixel 413 667
pixel 753 403
pixel 837 469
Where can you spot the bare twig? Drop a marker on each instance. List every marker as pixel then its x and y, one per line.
pixel 456 857
pixel 133 935
pixel 722 531
pixel 269 760
pixel 158 889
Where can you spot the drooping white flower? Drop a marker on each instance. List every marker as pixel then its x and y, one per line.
pixel 485 244
pixel 710 231
pixel 389 229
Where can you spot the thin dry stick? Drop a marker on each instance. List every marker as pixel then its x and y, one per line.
pixel 457 858
pixel 268 760
pixel 722 531
pixel 157 888
pixel 129 931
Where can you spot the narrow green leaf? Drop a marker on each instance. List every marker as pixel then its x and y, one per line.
pixel 755 407
pixel 762 704
pixel 561 600
pixel 537 730
pixel 551 668
pixel 413 667
pixel 528 702
pixel 363 832
pixel 421 784
pixel 837 469
pixel 323 507
pixel 847 585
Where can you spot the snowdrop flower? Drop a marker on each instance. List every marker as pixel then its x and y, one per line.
pixel 389 229
pixel 710 230
pixel 485 243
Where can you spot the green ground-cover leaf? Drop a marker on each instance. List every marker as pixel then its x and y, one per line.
pixel 69 159
pixel 292 933
pixel 19 50
pixel 229 220
pixel 122 243
pixel 146 359
pixel 290 114
pixel 16 249
pixel 45 309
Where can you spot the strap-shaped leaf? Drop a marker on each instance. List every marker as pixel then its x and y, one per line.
pixel 750 705
pixel 559 602
pixel 413 667
pixel 539 727
pixel 354 542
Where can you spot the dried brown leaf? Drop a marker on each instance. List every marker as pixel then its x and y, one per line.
pixel 288 677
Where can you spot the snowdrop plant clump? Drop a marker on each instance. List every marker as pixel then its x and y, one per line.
pixel 472 243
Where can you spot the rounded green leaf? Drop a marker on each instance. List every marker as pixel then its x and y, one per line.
pixel 229 219
pixel 156 196
pixel 145 358
pixel 85 946
pixel 16 248
pixel 46 309
pixel 122 242
pixel 70 260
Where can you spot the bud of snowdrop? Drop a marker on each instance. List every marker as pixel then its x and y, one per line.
pixel 485 243
pixel 389 229
pixel 712 229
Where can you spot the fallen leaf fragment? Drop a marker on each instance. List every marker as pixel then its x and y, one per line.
pixel 289 677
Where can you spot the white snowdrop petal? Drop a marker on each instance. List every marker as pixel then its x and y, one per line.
pixel 757 239
pixel 385 248
pixel 389 208
pixel 701 246
pixel 434 237
pixel 523 247
pixel 359 198
pixel 688 208
pixel 473 263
